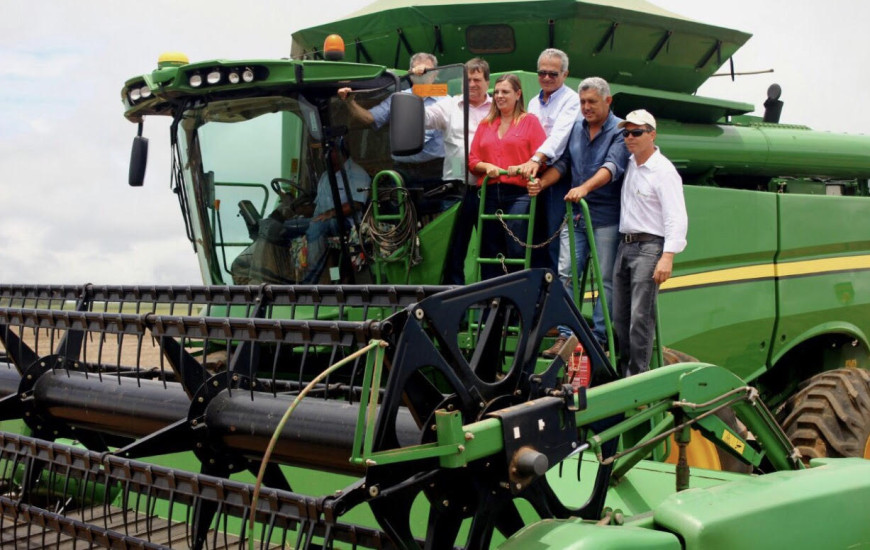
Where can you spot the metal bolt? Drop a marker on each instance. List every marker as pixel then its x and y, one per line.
pixel 194 422
pixel 460 449
pixel 374 491
pixel 211 461
pixel 200 399
pixel 198 445
pixel 445 503
pixel 30 377
pixel 419 313
pixel 482 404
pixel 469 436
pixel 573 444
pixel 214 383
pixel 548 277
pixel 519 486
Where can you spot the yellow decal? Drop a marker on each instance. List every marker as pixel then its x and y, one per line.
pixel 768 271
pixel 430 90
pixel 733 441
pixel 851 364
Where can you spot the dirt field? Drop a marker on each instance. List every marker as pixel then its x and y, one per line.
pixel 93 351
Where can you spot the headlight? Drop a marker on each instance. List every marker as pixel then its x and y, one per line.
pixel 145 92
pixel 213 77
pixel 195 80
pixel 233 77
pixel 248 74
pixel 135 94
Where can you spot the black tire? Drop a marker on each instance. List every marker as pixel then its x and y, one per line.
pixel 830 415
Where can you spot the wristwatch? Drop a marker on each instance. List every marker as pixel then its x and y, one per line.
pixel 535 159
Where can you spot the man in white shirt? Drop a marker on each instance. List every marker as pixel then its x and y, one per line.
pixel 652 229
pixel 449 117
pixel 557 107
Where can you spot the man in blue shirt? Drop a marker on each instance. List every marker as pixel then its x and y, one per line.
pixel 428 163
pixel 597 157
pixel 324 220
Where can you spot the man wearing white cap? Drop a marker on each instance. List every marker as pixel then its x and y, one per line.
pixel 652 227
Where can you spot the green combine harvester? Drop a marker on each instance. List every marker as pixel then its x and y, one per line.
pixel 333 394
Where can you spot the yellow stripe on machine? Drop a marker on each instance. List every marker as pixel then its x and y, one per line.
pixel 767 271
pixel 764 271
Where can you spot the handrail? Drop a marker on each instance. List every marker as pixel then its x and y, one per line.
pixel 596 270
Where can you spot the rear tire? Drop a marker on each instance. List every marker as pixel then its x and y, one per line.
pixel 830 415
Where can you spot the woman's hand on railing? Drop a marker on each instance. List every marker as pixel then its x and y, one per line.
pixel 493 171
pixel 534 187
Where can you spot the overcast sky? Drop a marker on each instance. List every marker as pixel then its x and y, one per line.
pixel 67 214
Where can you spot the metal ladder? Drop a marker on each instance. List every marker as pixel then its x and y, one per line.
pixel 526 260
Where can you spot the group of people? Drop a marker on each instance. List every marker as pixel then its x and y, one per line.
pixel 567 146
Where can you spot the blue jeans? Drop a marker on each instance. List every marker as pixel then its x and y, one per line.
pixel 606 242
pixel 510 199
pixel 634 307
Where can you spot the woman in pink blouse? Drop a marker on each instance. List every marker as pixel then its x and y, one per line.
pixel 506 138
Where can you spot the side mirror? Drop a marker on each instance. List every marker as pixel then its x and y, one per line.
pixel 407 124
pixel 138 161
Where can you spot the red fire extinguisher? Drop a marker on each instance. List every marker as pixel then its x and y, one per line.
pixel 578 368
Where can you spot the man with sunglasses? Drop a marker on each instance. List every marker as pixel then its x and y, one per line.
pixel 652 229
pixel 596 157
pixel 557 107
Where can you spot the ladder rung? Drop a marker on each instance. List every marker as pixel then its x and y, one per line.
pixel 507 261
pixel 505 217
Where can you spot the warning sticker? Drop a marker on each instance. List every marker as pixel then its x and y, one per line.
pixel 733 441
pixel 430 90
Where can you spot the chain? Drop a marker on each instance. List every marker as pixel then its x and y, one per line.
pixel 552 238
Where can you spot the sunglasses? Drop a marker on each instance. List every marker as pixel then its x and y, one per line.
pixel 548 74
pixel 635 133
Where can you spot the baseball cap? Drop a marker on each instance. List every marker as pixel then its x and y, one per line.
pixel 639 117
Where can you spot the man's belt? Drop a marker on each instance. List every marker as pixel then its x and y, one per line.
pixel 639 237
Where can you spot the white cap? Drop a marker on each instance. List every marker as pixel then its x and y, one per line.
pixel 640 117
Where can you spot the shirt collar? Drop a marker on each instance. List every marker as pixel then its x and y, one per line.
pixel 555 93
pixel 609 123
pixel 653 160
pixel 487 101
